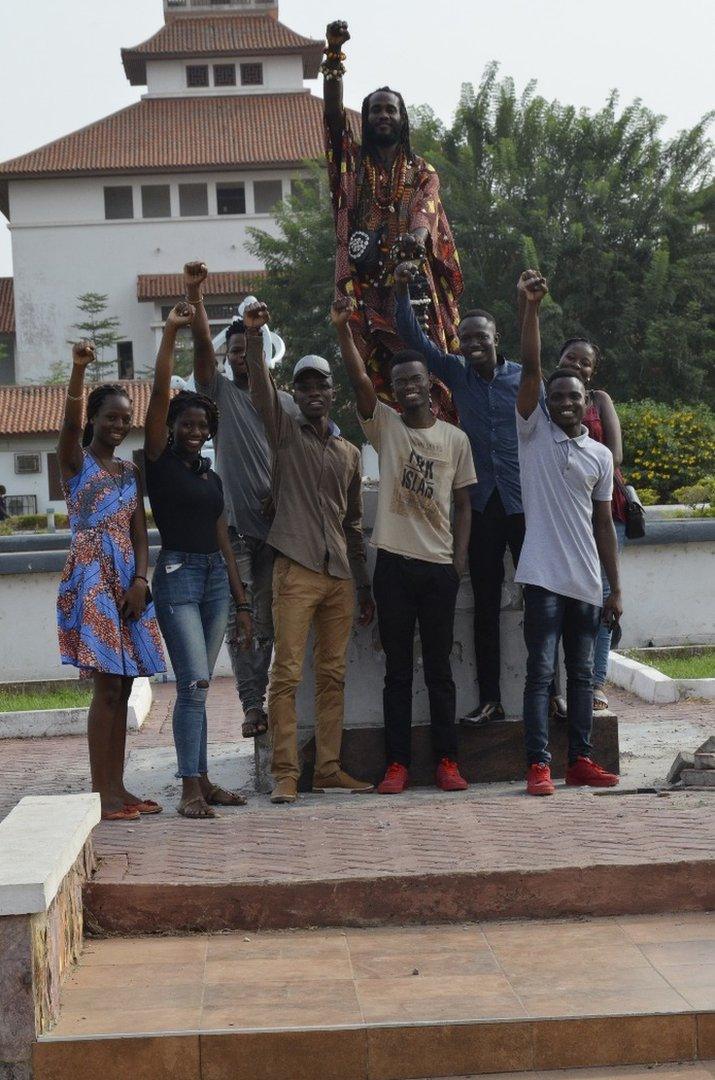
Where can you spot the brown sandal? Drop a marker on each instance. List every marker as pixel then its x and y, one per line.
pixel 219 796
pixel 127 813
pixel 203 809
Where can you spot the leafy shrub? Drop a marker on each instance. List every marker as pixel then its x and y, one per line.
pixel 693 496
pixel 666 447
pixel 648 496
pixel 36 522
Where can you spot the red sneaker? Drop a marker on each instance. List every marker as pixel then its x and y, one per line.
pixel 448 776
pixel 538 779
pixel 394 781
pixel 585 772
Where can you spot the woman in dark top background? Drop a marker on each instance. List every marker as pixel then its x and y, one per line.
pixel 603 425
pixel 196 572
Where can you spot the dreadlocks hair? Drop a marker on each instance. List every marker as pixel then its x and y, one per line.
pixel 95 400
pixel 368 144
pixel 236 326
pixel 565 373
pixel 189 399
pixel 583 341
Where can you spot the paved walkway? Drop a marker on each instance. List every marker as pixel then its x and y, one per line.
pixel 338 837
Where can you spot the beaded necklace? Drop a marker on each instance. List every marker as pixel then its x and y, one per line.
pixel 398 177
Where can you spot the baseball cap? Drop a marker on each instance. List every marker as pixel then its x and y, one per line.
pixel 311 363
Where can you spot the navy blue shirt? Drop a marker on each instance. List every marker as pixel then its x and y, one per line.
pixel 487 412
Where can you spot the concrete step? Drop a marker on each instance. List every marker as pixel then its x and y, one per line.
pixel 390 1004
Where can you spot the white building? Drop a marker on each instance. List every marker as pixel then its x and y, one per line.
pixel 223 130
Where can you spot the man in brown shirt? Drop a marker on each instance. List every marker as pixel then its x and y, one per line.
pixel 317 533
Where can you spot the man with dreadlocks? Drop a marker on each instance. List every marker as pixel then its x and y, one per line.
pixel 387 209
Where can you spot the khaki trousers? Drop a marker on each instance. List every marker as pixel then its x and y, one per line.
pixel 302 598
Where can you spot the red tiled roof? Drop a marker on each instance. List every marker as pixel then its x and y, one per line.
pixel 221 283
pixel 7 306
pixel 221 35
pixel 175 134
pixel 38 410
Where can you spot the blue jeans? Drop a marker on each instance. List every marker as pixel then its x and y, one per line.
pixel 603 638
pixel 192 596
pixel 548 617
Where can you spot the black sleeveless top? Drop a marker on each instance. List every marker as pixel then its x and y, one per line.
pixel 186 505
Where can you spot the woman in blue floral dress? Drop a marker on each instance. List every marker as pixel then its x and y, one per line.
pixel 106 626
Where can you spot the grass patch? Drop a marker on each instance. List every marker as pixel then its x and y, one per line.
pixel 700 666
pixel 71 696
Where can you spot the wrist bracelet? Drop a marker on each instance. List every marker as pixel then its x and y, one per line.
pixel 140 577
pixel 196 302
pixel 245 607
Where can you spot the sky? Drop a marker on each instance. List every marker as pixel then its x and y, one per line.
pixel 60 66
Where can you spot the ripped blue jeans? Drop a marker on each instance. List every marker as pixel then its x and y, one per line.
pixel 191 596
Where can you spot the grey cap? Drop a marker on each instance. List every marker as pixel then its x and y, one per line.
pixel 311 363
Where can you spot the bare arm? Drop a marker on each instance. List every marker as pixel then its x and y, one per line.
pixel 244 624
pixel 134 601
pixel 462 528
pixel 337 35
pixel 612 437
pixel 607 546
pixel 155 430
pixel 195 274
pixel 360 381
pixel 69 444
pixel 262 388
pixel 527 398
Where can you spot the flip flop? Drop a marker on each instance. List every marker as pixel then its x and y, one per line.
pixel 125 814
pixel 146 806
pixel 600 701
pixel 200 816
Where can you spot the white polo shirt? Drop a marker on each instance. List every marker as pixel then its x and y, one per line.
pixel 560 479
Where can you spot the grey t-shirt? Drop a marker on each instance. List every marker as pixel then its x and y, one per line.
pixel 243 458
pixel 560 478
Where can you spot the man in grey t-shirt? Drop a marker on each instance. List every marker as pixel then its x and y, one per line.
pixel 567 483
pixel 243 461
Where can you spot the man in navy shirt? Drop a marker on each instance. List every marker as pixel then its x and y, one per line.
pixel 484 386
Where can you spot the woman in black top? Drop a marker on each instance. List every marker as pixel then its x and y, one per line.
pixel 196 572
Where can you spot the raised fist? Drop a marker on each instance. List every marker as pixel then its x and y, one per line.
pixel 255 316
pixel 180 315
pixel 341 310
pixel 406 272
pixel 337 34
pixel 533 286
pixel 195 273
pixel 407 248
pixel 83 353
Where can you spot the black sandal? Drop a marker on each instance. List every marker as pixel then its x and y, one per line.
pixel 219 796
pixel 485 714
pixel 251 728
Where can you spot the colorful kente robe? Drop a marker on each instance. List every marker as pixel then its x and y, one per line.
pixel 418 206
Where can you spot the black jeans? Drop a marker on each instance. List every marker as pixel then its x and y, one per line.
pixel 409 591
pixel 548 617
pixel 492 530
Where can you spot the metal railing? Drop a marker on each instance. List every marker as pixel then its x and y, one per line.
pixel 18 505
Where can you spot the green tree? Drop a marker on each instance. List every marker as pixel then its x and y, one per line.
pixel 101 329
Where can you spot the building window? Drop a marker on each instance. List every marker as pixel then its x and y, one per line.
pixel 118 203
pixel 266 193
pixel 125 359
pixel 197 75
pixel 27 463
pixel 251 74
pixel 193 200
pixel 156 200
pixel 54 480
pixel 224 74
pixel 231 198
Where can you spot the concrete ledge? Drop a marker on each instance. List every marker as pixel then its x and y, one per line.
pixel 46 723
pixel 40 840
pixel 704 688
pixel 644 681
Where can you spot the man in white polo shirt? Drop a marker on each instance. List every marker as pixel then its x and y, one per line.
pixel 567 483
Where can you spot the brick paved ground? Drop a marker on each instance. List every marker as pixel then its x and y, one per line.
pixel 338 838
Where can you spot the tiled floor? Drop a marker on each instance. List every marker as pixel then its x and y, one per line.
pixel 337 978
pixel 691 1070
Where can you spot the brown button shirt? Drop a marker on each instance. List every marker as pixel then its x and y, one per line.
pixel 317 486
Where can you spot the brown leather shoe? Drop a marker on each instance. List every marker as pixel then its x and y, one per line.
pixel 340 781
pixel 285 791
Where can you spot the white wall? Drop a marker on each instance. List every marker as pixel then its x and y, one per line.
pixel 38 483
pixel 280 74
pixel 63 247
pixel 668 594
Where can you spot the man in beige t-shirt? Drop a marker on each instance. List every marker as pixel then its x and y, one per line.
pixel 425 464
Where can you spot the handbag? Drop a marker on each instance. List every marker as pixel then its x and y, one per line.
pixel 365 250
pixel 635 514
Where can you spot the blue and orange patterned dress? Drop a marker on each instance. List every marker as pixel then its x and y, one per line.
pixel 99 569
